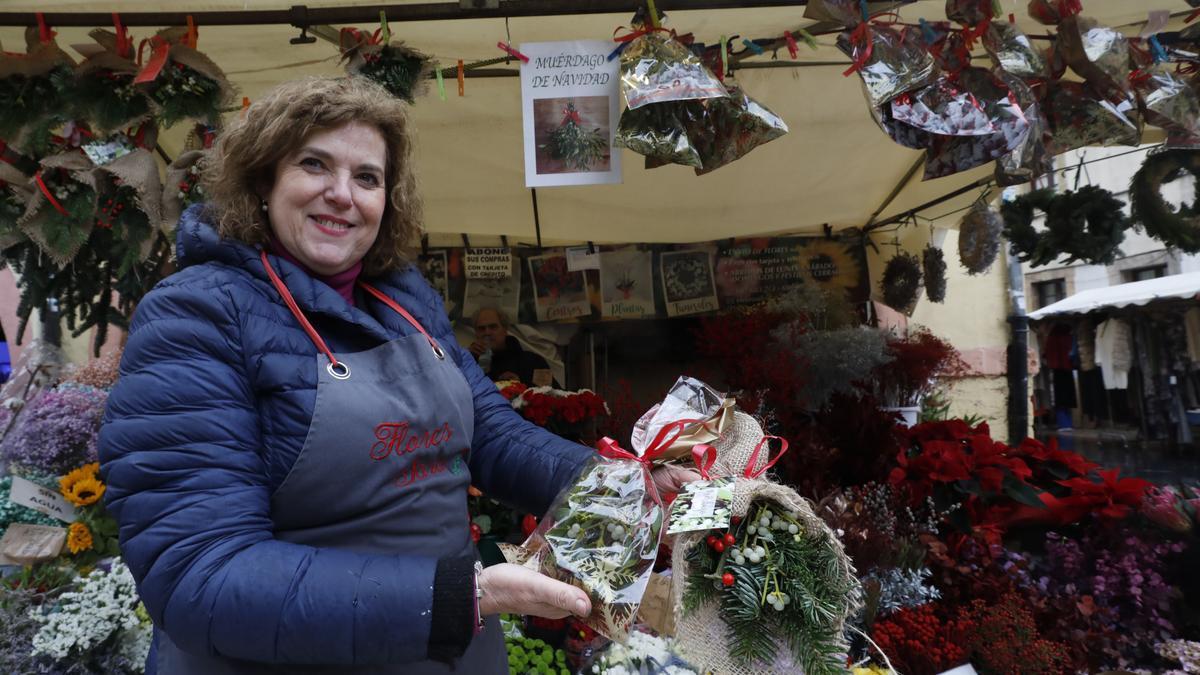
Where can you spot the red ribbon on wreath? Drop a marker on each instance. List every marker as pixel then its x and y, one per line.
pixel 159 48
pixel 37 178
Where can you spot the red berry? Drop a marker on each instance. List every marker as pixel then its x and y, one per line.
pixel 719 546
pixel 730 540
pixel 737 519
pixel 711 540
pixel 727 579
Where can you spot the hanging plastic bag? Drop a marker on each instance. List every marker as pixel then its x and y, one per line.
pixel 969 12
pixel 658 131
pixel 1168 100
pixel 731 127
pixel 1097 53
pixel 887 62
pixel 656 68
pixel 1079 117
pixel 1012 50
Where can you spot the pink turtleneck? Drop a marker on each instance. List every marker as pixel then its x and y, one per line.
pixel 342 282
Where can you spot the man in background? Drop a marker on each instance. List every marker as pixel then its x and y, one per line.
pixel 501 356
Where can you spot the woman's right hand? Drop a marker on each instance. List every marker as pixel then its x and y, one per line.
pixel 513 589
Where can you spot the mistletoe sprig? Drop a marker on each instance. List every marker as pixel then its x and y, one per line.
pixel 605 538
pixel 109 100
pixel 776 584
pixel 578 146
pixel 398 69
pixel 32 100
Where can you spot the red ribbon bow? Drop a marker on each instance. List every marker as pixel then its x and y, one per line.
pixel 860 38
pixel 572 115
pixel 159 48
pixel 750 472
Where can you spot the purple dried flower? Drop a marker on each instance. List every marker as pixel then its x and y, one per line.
pixel 56 432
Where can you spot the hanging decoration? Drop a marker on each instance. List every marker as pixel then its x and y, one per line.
pixel 1086 225
pixel 34 87
pixel 400 69
pixel 901 283
pixel 979 238
pixel 103 91
pixel 182 82
pixel 933 268
pixel 1176 228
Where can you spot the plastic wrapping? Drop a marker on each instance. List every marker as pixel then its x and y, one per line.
pixel 1012 51
pixel 969 12
pixel 656 68
pixel 842 12
pixel 1168 100
pixel 1053 12
pixel 1079 117
pixel 1097 53
pixel 602 535
pixel 688 399
pixel 893 65
pixel 658 132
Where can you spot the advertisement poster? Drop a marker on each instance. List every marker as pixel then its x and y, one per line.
pixel 558 292
pixel 570 107
pixel 488 263
pixel 687 281
pixel 750 271
pixel 502 294
pixel 626 284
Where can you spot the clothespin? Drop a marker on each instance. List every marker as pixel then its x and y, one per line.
pixel 383 27
pixel 591 248
pixel 927 32
pixel 752 46
pixel 866 14
pixel 441 83
pixel 653 14
pixel 245 105
pixel 724 58
pixel 44 31
pixel 461 78
pixel 193 35
pixel 512 52
pixel 124 42
pixel 424 244
pixel 466 241
pixel 793 50
pixel 504 240
pixel 1156 48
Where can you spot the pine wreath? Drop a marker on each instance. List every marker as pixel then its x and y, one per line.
pixel 1177 229
pixel 1086 225
pixel 901 282
pixel 933 266
pixel 979 238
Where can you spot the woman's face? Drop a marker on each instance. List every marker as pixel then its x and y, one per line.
pixel 329 196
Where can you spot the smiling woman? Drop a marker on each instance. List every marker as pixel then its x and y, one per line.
pixel 290 444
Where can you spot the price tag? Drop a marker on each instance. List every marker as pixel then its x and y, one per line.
pixel 702 505
pixel 38 498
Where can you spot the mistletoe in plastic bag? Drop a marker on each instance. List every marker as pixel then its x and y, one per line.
pixel 400 69
pixel 1012 50
pixel 887 63
pixel 1080 117
pixel 1168 100
pixel 577 145
pixel 724 129
pixel 1097 53
pixel 658 131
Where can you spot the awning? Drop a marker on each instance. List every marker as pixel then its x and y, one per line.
pixel 1136 293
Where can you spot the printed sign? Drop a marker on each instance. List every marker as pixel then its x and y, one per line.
pixel 626 284
pixel 488 263
pixel 687 280
pixel 558 292
pixel 570 107
pixel 38 498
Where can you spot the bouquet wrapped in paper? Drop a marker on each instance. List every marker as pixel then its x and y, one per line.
pixel 602 533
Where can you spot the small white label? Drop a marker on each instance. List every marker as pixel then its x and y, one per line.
pixel 579 259
pixel 38 498
pixel 703 503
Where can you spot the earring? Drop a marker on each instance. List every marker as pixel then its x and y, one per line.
pixel 264 206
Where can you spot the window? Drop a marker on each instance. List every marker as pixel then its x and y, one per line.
pixel 1144 273
pixel 1049 292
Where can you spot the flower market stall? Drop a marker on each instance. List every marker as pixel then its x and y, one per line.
pixel 850 516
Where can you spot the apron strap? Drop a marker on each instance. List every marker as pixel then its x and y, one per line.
pixel 337 369
pixel 437 349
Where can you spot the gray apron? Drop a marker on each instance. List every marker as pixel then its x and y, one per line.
pixel 411 406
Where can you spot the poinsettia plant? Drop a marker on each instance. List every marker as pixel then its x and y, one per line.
pixel 565 413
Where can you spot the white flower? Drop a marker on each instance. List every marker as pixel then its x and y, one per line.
pixel 102 604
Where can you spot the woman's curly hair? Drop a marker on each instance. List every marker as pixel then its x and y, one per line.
pixel 244 157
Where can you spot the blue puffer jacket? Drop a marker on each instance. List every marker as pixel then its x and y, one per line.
pixel 212 408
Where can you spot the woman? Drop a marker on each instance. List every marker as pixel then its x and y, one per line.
pixel 289 446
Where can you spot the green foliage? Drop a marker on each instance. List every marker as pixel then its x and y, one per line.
pixel 1087 225
pixel 108 100
pixel 803 565
pixel 27 99
pixel 398 69
pixel 578 147
pixel 1177 229
pixel 534 657
pixel 184 93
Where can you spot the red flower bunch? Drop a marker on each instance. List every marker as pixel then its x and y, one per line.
pixel 1004 639
pixel 512 390
pixel 1112 498
pixel 918 642
pixel 561 411
pixel 919 359
pixel 951 453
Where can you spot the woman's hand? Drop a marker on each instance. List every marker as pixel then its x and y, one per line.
pixel 514 589
pixel 671 479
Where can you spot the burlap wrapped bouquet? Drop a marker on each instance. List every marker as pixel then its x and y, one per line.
pixel 773 598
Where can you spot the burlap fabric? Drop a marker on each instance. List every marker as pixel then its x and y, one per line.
pixel 38 209
pixel 172 202
pixel 109 60
pixel 139 171
pixel 17 183
pixel 702 635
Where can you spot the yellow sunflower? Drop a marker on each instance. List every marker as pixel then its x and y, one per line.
pixel 66 483
pixel 79 538
pixel 85 492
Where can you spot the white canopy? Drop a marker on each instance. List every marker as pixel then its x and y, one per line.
pixel 835 167
pixel 1174 287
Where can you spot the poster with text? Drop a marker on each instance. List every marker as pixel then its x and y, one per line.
pixel 687 280
pixel 750 271
pixel 570 107
pixel 436 271
pixel 558 293
pixel 626 284
pixel 502 294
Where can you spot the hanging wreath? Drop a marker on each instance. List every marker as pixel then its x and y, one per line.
pixel 1177 229
pixel 902 282
pixel 933 265
pixel 1087 225
pixel 979 238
